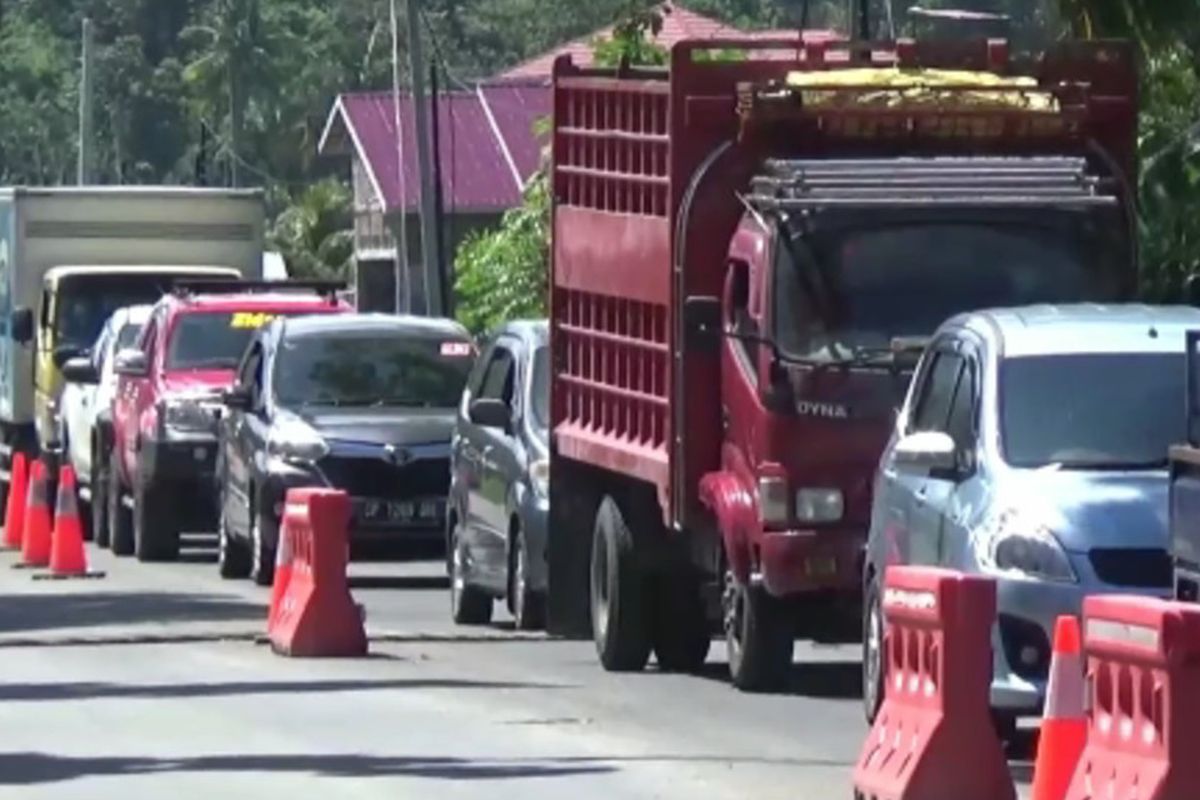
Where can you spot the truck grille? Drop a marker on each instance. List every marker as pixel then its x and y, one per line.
pixel 376 478
pixel 1147 568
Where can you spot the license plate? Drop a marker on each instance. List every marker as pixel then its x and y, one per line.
pixel 401 511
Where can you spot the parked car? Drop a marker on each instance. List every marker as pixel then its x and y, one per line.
pixel 499 481
pixel 360 402
pixel 160 473
pixel 86 416
pixel 1032 447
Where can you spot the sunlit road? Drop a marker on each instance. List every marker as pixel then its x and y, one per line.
pixel 149 682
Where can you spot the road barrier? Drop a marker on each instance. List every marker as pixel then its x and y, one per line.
pixel 933 738
pixel 1143 659
pixel 14 509
pixel 35 540
pixel 67 556
pixel 315 615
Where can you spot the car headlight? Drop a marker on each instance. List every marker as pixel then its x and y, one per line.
pixel 292 440
pixel 1014 545
pixel 819 505
pixel 539 477
pixel 188 416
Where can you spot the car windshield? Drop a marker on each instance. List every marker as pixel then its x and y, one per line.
pixel 216 339
pixel 85 302
pixel 1109 411
pixel 905 280
pixel 540 390
pixel 371 368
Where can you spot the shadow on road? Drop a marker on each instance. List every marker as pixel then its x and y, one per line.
pixel 31 768
pixel 833 680
pixel 31 612
pixel 51 692
pixel 414 582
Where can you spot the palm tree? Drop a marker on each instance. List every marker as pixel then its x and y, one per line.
pixel 314 233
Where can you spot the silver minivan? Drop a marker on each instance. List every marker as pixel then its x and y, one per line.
pixel 1032 447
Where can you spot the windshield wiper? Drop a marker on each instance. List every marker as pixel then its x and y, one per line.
pixel 1116 466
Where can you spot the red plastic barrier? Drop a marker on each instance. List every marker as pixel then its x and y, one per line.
pixel 316 615
pixel 1144 682
pixel 933 738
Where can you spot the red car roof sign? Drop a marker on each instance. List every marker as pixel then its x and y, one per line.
pixel 456 349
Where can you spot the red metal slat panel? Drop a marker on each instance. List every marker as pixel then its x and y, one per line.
pixel 608 253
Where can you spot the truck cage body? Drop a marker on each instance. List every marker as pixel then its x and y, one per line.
pixel 650 168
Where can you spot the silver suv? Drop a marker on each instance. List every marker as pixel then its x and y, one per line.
pixel 1032 447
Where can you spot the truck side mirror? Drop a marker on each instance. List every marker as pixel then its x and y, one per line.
pixel 238 398
pixel 702 323
pixel 131 363
pixel 20 325
pixel 80 370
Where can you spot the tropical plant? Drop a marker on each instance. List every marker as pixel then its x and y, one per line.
pixel 314 232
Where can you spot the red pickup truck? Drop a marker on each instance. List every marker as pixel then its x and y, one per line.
pixel 159 475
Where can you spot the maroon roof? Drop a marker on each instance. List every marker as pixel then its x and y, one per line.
pixel 488 149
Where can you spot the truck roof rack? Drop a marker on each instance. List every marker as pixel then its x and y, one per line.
pixel 964 181
pixel 186 287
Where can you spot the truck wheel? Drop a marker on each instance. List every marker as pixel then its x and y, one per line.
pixel 264 533
pixel 759 637
pixel 527 606
pixel 873 655
pixel 155 535
pixel 618 592
pixel 120 520
pixel 469 605
pixel 99 504
pixel 681 635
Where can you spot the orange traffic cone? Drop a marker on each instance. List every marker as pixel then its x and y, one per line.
pixel 35 542
pixel 67 557
pixel 1064 723
pixel 14 511
pixel 283 571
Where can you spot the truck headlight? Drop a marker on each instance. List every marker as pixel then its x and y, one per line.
pixel 819 505
pixel 1014 545
pixel 293 441
pixel 774 503
pixel 539 477
pixel 188 416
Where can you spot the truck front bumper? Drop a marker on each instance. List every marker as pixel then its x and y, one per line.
pixel 803 561
pixel 185 467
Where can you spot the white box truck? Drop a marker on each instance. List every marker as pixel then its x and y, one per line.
pixel 71 256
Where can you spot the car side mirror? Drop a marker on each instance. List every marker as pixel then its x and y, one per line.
pixel 64 353
pixel 238 398
pixel 131 363
pixel 20 325
pixel 927 452
pixel 490 413
pixel 80 370
pixel 702 323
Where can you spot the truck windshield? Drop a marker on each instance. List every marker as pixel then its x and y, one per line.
pixel 904 280
pixel 215 339
pixel 371 369
pixel 84 303
pixel 1092 411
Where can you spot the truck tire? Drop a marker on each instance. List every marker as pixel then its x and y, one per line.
pixel 618 594
pixel 681 635
pixel 469 604
pixel 873 660
pixel 155 531
pixel 759 636
pixel 99 504
pixel 120 520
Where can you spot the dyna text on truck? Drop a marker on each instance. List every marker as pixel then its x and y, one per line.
pixel 748 251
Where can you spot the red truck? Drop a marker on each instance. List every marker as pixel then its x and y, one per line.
pixel 159 477
pixel 748 253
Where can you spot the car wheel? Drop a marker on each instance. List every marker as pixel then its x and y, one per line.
pixel 263 536
pixel 233 558
pixel 528 606
pixel 758 636
pixel 120 520
pixel 873 661
pixel 618 594
pixel 469 605
pixel 98 507
pixel 155 535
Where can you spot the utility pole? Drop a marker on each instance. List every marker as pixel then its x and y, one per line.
pixel 439 205
pixel 403 297
pixel 434 306
pixel 864 20
pixel 85 106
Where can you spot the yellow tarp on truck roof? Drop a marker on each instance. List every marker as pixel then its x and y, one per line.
pixel 920 87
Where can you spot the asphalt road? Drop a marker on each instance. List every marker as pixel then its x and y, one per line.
pixel 149 682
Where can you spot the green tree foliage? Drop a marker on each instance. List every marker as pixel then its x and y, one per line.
pixel 313 231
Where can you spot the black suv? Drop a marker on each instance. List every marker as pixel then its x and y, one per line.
pixel 359 402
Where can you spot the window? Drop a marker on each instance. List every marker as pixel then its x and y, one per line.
pixel 475 378
pixel 961 426
pixel 498 382
pixel 739 311
pixel 250 375
pixel 933 405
